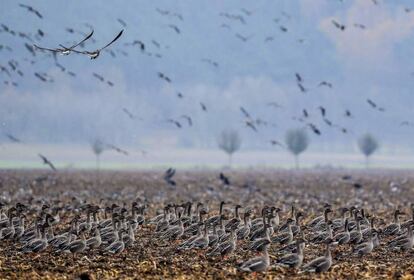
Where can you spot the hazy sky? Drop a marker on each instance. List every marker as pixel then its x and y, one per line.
pixel 372 62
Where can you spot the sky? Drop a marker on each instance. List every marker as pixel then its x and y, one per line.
pixel 369 59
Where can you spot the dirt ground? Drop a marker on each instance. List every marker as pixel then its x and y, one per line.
pixel 382 191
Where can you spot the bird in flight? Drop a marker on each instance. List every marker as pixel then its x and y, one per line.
pixel 203 106
pixel 32 10
pixel 64 50
pixel 276 143
pixel 324 83
pixel 47 162
pixel 94 54
pixel 338 25
pixel 188 118
pixel 13 138
pixel 164 77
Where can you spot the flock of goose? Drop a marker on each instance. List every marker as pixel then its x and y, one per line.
pixel 98 229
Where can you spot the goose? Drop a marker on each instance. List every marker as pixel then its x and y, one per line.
pixel 193 228
pixel 129 238
pixel 339 223
pixel 216 219
pixel 365 247
pixel 9 231
pixel 86 226
pixel 224 248
pixel 410 221
pixel 186 244
pixel 355 236
pixel 19 230
pixel 258 244
pixel 296 228
pixel 244 231
pixel 64 50
pixel 322 237
pixel 213 238
pixel 293 260
pixel 95 241
pixel 367 231
pixel 319 219
pixel 162 223
pixel 395 227
pixel 94 54
pixel 403 243
pixel 78 245
pixel 284 237
pixel 202 241
pixel 258 222
pixel 174 232
pixel 342 237
pixel 323 225
pixel 36 245
pixel 234 223
pixel 320 264
pixel 275 218
pixel 264 231
pixel 196 218
pixel 116 247
pixel 155 220
pixel 258 264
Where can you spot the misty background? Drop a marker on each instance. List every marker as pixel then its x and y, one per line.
pixel 62 117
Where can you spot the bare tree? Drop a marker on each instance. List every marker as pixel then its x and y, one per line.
pixel 297 142
pixel 98 147
pixel 367 145
pixel 229 141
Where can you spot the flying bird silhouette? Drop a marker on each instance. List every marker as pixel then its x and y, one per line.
pixel 32 10
pixel 95 54
pixel 64 50
pixel 338 25
pixel 47 162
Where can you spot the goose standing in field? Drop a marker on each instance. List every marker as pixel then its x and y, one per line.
pixel 186 244
pixel 163 223
pixel 293 260
pixel 243 231
pixel 355 236
pixel 403 243
pixel 258 264
pixel 95 241
pixel 339 223
pixel 202 241
pixel 216 219
pixel 321 218
pixel 174 232
pixel 19 230
pixel 37 245
pixel 78 245
pixel 226 248
pixel 258 244
pixel 395 227
pixel 410 221
pixel 342 237
pixel 365 247
pixel 235 222
pixel 8 232
pixel 320 264
pixel 117 246
pixel 129 237
pixel 284 237
pixel 322 237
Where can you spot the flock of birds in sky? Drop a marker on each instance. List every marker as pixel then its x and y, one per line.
pixel 32 43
